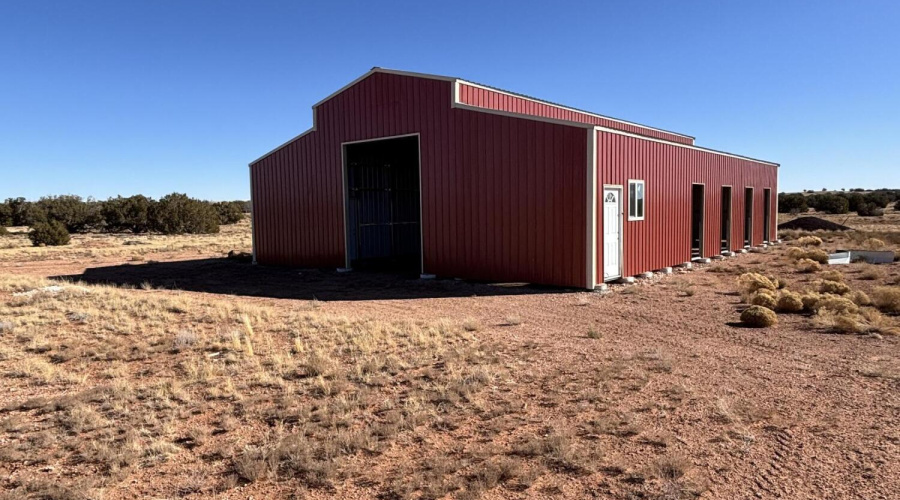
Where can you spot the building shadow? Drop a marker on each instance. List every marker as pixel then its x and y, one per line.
pixel 232 277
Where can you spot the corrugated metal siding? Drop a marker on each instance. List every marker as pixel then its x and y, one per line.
pixel 492 99
pixel 663 238
pixel 502 197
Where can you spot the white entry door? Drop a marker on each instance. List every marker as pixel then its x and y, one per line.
pixel 612 232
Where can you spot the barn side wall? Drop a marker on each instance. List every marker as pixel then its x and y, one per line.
pixel 502 101
pixel 503 198
pixel 663 238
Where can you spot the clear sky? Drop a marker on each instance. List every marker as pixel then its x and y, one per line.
pixel 100 98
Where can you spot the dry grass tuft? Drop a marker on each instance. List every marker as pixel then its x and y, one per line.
pixel 871 272
pixel 789 302
pixel 764 297
pixel 759 317
pixel 832 275
pixel 805 265
pixel 887 299
pixel 807 241
pixel 833 287
pixel 873 244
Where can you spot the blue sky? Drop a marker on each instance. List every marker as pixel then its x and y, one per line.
pixel 123 97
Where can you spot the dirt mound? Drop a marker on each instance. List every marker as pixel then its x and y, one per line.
pixel 812 224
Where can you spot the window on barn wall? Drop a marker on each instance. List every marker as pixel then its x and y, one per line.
pixel 635 200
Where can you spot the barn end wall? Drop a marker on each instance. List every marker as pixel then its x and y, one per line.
pixel 502 197
pixel 662 239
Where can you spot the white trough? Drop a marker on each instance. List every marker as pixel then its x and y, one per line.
pixel 870 256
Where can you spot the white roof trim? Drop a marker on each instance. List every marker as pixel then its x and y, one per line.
pixel 688 146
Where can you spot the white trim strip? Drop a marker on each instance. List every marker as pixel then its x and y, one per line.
pixel 574 110
pixel 688 146
pixel 591 233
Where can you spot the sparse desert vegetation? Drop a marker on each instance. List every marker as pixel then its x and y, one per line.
pixel 204 385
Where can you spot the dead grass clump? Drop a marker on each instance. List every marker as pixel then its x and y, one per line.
pixel 832 275
pixel 805 265
pixel 795 253
pixel 807 241
pixel 764 298
pixel 750 283
pixel 817 255
pixel 813 302
pixel 873 244
pixel 871 272
pixel 859 298
pixel 887 299
pixel 512 320
pixel 759 317
pixel 838 322
pixel 789 302
pixel 833 287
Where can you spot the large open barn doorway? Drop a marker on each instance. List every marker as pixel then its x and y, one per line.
pixel 767 204
pixel 748 217
pixel 697 221
pixel 383 212
pixel 726 220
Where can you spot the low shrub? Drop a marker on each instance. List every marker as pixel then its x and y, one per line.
pixel 833 287
pixel 179 214
pixel 817 255
pixel 836 304
pixel 796 253
pixel 833 275
pixel 3 231
pixel 807 241
pixel 764 298
pixel 759 317
pixel 873 244
pixel 789 302
pixel 887 299
pixel 860 298
pixel 871 272
pixel 51 233
pixel 839 322
pixel 230 212
pixel 751 282
pixel 869 210
pixel 808 266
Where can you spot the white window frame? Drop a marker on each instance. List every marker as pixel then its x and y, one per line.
pixel 643 200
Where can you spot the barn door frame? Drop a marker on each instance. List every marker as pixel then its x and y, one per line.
pixel 346 193
pixel 621 215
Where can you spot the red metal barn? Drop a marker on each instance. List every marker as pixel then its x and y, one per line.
pixel 443 176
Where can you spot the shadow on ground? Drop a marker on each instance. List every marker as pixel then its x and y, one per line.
pixel 230 277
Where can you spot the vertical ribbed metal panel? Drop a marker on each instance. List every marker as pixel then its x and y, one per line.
pixel 501 101
pixel 663 238
pixel 502 197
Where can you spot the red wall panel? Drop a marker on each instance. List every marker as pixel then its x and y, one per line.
pixel 663 238
pixel 502 197
pixel 501 101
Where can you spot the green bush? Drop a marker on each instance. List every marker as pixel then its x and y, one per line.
pixel 51 233
pixel 869 210
pixel 78 215
pixel 829 203
pixel 230 212
pixel 792 203
pixel 3 231
pixel 127 214
pixel 178 214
